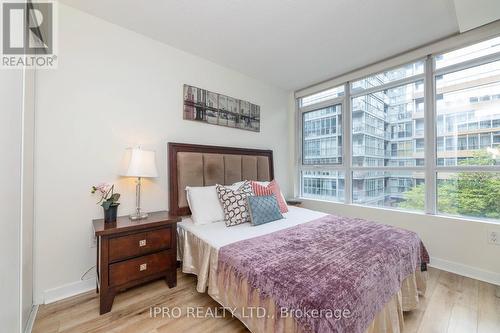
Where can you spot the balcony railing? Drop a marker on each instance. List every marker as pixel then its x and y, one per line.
pixel 337 196
pixel 314 135
pixel 361 196
pixel 367 151
pixel 364 128
pixel 361 104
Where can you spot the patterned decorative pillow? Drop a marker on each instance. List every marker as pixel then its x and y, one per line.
pixel 234 203
pixel 270 189
pixel 263 209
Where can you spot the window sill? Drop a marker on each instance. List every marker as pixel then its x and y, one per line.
pixel 443 217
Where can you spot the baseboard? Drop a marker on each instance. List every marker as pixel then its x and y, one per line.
pixel 464 270
pixel 31 319
pixel 75 288
pixel 68 290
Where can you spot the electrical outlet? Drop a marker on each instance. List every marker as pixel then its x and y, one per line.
pixel 93 240
pixel 494 237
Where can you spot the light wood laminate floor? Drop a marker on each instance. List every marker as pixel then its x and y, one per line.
pixel 452 303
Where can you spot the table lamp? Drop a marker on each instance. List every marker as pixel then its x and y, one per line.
pixel 141 164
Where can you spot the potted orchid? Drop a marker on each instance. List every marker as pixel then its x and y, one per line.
pixel 108 201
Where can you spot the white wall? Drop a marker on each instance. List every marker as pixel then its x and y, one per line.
pixel 114 88
pixel 11 95
pixel 474 13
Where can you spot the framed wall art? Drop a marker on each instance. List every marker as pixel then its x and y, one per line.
pixel 217 109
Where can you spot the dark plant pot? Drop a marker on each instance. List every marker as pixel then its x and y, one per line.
pixel 110 214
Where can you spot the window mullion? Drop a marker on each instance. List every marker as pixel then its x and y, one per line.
pixel 347 146
pixel 321 105
pixel 468 64
pixel 469 168
pixel 315 167
pixel 297 191
pixel 430 137
pixel 387 168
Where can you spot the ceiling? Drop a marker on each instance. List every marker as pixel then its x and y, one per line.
pixel 288 43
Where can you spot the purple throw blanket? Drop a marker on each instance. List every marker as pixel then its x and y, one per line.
pixel 346 269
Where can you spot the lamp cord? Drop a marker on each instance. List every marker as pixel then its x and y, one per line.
pixel 82 278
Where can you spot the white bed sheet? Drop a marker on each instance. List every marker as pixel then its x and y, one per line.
pixel 199 248
pixel 218 235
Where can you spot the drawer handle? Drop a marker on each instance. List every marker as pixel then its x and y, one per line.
pixel 142 243
pixel 143 267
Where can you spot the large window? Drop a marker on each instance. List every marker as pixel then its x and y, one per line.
pixel 366 142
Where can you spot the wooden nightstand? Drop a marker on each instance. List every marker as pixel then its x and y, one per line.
pixel 130 253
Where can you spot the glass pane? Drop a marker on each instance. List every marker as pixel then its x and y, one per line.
pixel 388 127
pixel 402 190
pixel 322 96
pixel 323 184
pixel 322 136
pixel 473 194
pixel 468 116
pixel 389 76
pixel 467 53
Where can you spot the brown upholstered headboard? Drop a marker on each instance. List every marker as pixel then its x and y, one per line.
pixel 199 165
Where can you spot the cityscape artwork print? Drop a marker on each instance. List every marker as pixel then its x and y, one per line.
pixel 212 108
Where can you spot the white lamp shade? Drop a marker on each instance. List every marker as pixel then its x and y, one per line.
pixel 140 163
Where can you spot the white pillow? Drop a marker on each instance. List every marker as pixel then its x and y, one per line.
pixel 204 204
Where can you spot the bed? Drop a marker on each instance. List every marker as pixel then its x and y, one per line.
pixel 225 259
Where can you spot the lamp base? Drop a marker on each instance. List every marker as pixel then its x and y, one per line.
pixel 138 216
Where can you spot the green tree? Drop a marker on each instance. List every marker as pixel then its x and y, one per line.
pixel 464 193
pixel 414 198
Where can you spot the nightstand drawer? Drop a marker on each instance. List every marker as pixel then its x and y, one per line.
pixel 138 268
pixel 140 243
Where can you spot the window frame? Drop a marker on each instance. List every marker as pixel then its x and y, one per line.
pixel 431 168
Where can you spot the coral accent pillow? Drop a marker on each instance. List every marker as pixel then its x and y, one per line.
pixel 271 189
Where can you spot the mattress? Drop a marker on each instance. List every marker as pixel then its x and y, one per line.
pixel 218 235
pixel 198 248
